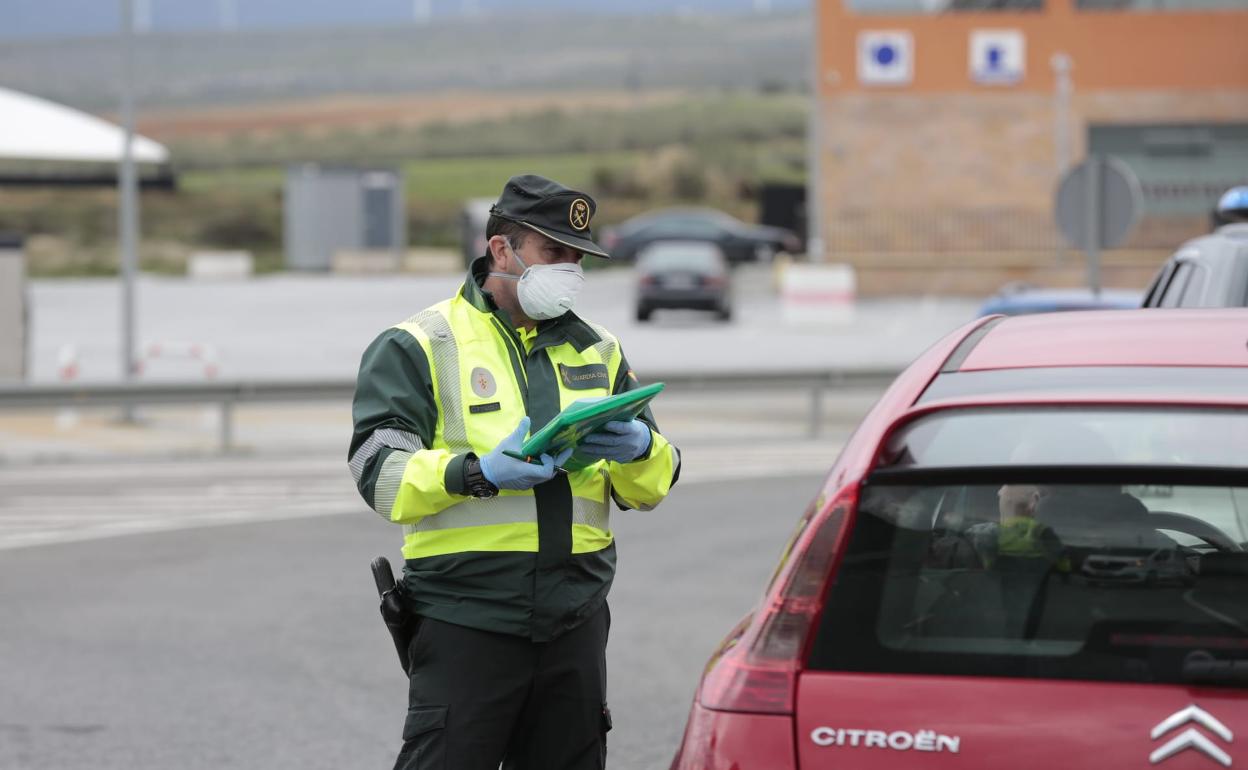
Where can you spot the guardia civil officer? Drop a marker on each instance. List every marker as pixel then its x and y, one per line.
pixel 507 563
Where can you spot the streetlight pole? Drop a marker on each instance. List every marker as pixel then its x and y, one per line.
pixel 814 142
pixel 1061 64
pixel 128 211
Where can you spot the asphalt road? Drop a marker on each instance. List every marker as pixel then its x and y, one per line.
pixel 258 646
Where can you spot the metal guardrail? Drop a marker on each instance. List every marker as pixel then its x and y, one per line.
pixel 228 394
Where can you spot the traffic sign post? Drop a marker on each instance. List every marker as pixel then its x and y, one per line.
pixel 1098 203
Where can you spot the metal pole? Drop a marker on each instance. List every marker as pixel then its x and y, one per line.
pixel 816 409
pixel 128 211
pixel 1093 222
pixel 227 425
pixel 814 141
pixel 1061 123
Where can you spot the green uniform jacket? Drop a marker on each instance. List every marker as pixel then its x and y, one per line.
pixel 457 378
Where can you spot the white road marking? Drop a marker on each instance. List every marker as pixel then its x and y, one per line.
pixel 66 503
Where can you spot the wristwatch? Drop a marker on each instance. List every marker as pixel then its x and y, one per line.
pixel 475 482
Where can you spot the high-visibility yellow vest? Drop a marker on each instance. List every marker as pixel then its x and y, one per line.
pixel 457 378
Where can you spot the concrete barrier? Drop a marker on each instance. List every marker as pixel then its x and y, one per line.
pixel 429 261
pixel 365 261
pixel 220 265
pixel 817 294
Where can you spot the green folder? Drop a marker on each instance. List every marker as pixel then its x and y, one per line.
pixel 583 418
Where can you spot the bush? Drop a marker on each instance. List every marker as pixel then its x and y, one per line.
pixel 616 182
pixel 238 224
pixel 689 180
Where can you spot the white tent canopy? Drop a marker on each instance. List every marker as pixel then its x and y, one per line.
pixel 37 129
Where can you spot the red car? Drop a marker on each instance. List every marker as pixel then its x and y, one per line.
pixel 947 600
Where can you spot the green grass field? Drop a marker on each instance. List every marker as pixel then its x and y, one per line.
pixel 434 180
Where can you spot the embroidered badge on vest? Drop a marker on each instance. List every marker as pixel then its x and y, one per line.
pixel 483 382
pixel 584 377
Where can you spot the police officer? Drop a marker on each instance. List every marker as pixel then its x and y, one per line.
pixel 507 563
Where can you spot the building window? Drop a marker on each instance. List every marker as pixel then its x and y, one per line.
pixel 1183 168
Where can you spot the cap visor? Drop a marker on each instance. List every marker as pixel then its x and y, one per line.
pixel 583 245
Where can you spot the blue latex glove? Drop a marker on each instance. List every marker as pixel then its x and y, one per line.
pixel 509 473
pixel 618 440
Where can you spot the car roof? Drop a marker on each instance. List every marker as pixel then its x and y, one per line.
pixel 1226 244
pixel 1182 357
pixel 680 247
pixel 679 212
pixel 1154 337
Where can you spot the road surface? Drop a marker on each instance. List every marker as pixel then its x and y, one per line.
pixel 223 616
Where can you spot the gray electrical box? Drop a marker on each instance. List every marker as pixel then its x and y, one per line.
pixel 335 212
pixel 13 313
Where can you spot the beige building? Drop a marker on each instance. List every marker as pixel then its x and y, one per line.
pixel 941 134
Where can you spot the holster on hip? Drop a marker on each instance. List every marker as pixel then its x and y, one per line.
pixel 399 620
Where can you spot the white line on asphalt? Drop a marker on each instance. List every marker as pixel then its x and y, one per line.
pixel 54 504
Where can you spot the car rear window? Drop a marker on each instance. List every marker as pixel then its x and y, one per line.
pixel 1065 436
pixel 1092 581
pixel 675 258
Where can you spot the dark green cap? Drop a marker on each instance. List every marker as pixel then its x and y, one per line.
pixel 551 209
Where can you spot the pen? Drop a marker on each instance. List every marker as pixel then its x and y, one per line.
pixel 531 461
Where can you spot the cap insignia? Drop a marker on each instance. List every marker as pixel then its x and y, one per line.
pixel 578 214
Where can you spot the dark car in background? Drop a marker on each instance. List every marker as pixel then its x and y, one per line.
pixel 739 241
pixel 977 583
pixel 1210 271
pixel 683 275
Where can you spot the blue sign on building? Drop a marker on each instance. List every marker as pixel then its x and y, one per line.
pixel 998 56
pixel 885 57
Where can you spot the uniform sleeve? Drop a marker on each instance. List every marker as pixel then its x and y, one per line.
pixel 643 483
pixel 395 417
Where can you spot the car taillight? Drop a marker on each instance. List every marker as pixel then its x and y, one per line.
pixel 648 280
pixel 716 281
pixel 757 671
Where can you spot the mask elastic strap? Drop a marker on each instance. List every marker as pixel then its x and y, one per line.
pixel 515 254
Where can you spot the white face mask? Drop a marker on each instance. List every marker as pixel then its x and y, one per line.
pixel 546 291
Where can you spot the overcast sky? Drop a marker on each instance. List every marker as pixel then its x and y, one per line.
pixel 74 18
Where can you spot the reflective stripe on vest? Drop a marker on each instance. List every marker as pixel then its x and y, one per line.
pixel 507 509
pixel 386 486
pixel 504 509
pixel 446 372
